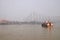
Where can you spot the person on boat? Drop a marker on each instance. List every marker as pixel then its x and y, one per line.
pixel 47 23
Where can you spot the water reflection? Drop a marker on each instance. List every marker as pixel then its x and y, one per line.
pixel 49 31
pixel 49 28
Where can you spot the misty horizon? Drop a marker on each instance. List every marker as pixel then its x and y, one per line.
pixel 21 10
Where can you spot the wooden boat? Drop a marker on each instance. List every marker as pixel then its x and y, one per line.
pixel 47 24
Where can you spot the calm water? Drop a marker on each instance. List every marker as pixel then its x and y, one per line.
pixel 29 32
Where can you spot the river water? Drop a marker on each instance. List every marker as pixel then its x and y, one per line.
pixel 29 32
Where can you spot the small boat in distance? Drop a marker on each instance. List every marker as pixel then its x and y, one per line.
pixel 47 24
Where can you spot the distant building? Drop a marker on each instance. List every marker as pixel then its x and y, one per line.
pixel 3 21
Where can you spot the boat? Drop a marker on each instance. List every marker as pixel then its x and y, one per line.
pixel 47 24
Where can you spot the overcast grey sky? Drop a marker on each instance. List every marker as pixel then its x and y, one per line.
pixel 20 9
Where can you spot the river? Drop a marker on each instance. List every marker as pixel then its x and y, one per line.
pixel 29 32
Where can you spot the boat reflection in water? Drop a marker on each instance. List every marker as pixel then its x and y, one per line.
pixel 48 25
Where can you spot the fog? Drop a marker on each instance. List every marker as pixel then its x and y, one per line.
pixel 21 10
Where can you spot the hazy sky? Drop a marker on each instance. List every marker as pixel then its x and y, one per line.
pixel 21 9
